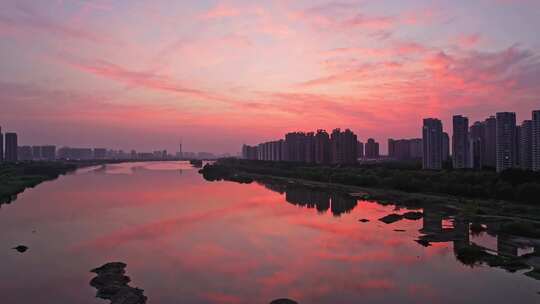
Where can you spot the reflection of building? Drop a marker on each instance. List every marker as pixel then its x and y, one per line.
pixel 506 247
pixel 311 198
pixel 431 221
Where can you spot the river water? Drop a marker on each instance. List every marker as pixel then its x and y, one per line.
pixel 187 240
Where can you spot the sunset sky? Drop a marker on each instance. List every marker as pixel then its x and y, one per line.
pixel 141 74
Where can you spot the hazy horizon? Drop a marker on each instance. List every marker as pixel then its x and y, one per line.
pixel 141 75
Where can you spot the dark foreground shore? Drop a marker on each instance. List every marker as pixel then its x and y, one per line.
pixel 524 215
pixel 16 177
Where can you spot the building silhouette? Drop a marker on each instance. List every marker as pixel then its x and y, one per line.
pixel 322 147
pixel 506 141
pixel 432 142
pixel 372 149
pixel 360 150
pixel 344 146
pixel 11 147
pixel 1 145
pixel 535 155
pixel 249 152
pixel 48 153
pixel 460 142
pixel 405 149
pixel 24 153
pixel 477 145
pixel 295 145
pixel 309 146
pixel 490 137
pixel 445 147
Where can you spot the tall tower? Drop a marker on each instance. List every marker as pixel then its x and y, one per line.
pixel 180 154
pixel 460 142
pixel 506 141
pixel 432 137
pixel 535 155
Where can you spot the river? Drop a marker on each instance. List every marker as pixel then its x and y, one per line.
pixel 187 240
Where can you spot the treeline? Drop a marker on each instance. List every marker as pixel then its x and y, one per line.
pixel 15 177
pixel 512 185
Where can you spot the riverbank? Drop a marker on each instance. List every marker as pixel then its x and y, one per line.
pixel 331 179
pixel 17 177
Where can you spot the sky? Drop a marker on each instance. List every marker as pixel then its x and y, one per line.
pixel 132 74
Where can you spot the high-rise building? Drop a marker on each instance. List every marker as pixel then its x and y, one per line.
pixel 309 147
pixel 506 140
pixel 391 148
pixel 416 148
pixel 477 145
pixel 445 147
pixel 36 152
pixel 322 147
pixel 295 144
pixel 360 150
pixel 432 141
pixel 48 153
pixel 490 137
pixel 460 142
pixel 405 149
pixel 517 145
pixel 100 153
pixel 24 153
pixel 343 147
pixel 525 145
pixel 11 147
pixel 1 146
pixel 535 155
pixel 372 149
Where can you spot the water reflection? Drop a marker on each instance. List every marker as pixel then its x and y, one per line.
pixel 190 241
pixel 510 253
pixel 337 203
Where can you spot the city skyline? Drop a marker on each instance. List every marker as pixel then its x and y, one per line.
pixel 223 73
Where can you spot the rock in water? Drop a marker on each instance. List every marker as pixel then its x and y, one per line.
pixel 112 284
pixel 412 215
pixel 21 248
pixel 391 218
pixel 283 301
pixel 363 220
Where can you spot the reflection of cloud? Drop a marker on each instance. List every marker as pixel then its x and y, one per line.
pixel 221 298
pixel 161 228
